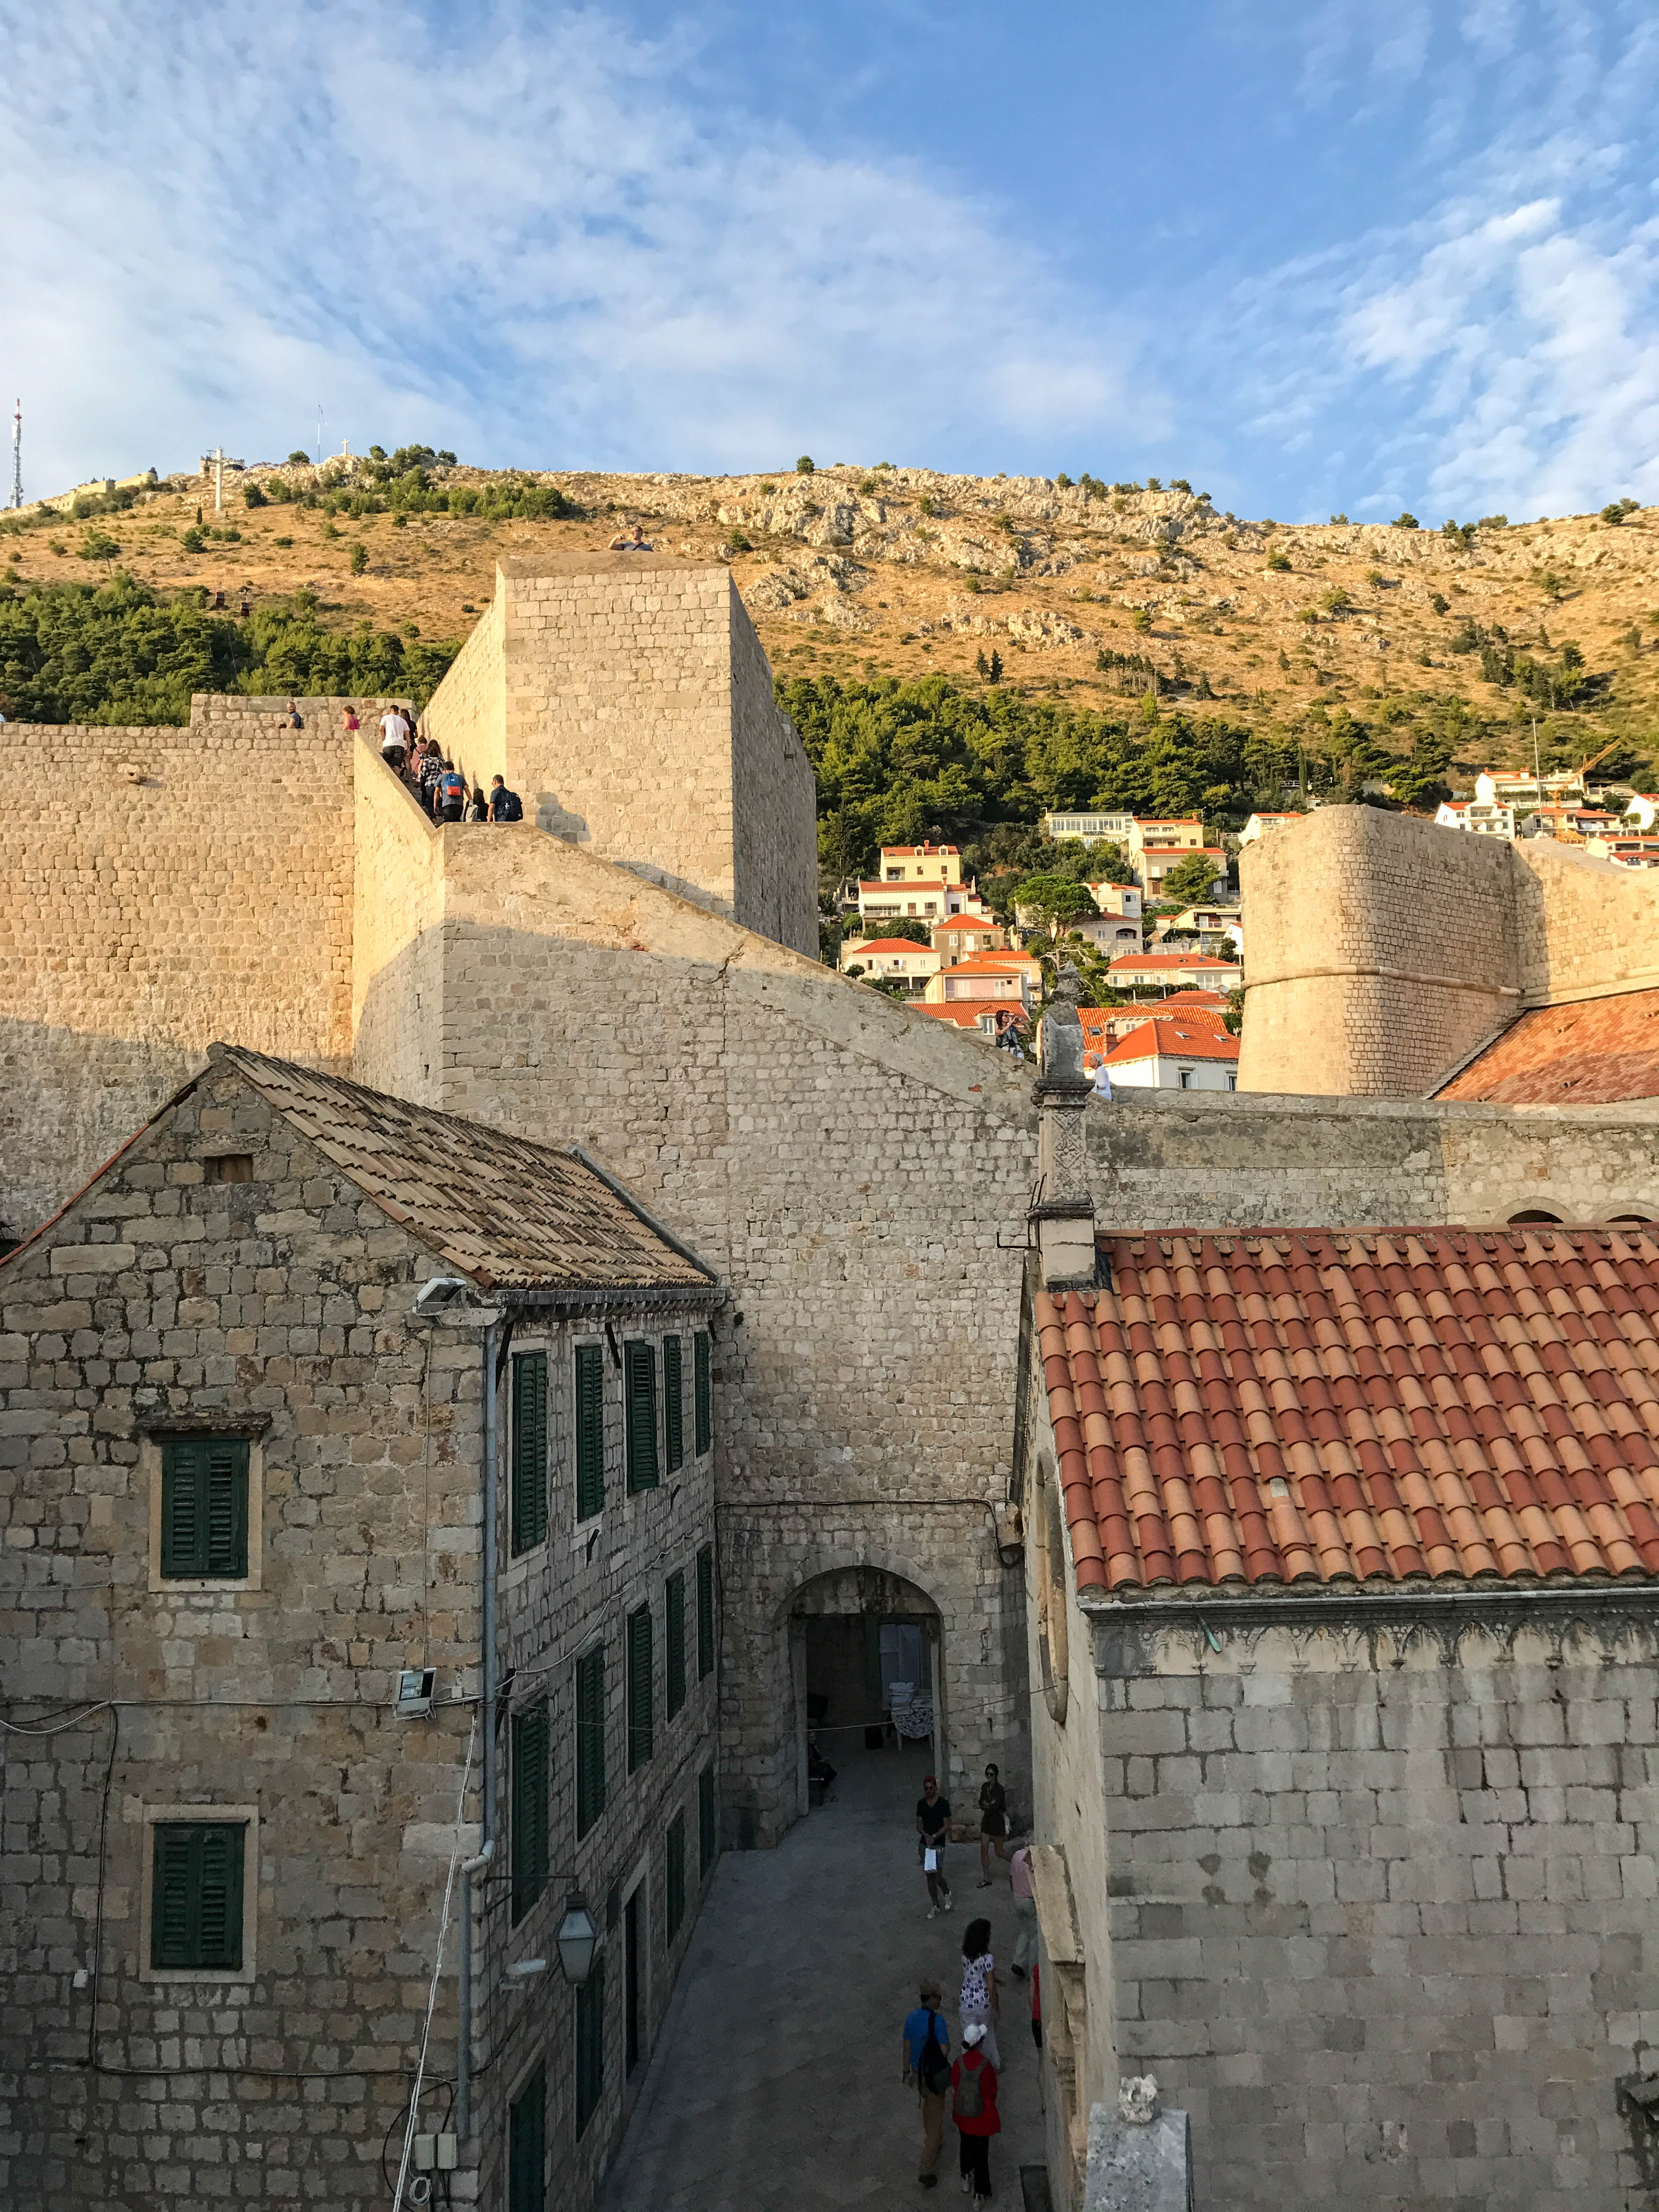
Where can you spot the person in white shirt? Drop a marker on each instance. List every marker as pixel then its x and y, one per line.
pixel 394 738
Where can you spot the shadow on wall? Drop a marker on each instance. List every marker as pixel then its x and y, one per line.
pixel 69 1098
pixel 554 817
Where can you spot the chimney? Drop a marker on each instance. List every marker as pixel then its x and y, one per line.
pixel 1063 1210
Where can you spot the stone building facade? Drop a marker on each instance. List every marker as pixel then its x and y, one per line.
pixel 309 1392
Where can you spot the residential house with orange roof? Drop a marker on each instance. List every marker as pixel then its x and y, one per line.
pixel 889 960
pixel 1342 1586
pixel 1175 1055
pixel 1155 971
pixel 1001 975
pixel 964 934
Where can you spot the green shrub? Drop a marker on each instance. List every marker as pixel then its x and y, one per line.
pixel 357 559
pixel 806 465
pixel 1277 560
pixel 1405 521
pixel 97 545
pixel 194 539
pixel 253 496
pixel 299 457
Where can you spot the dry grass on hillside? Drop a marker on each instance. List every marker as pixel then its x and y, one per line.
pixel 900 572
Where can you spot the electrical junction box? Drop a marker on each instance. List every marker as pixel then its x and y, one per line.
pixel 414 1688
pixel 426 2154
pixel 448 2153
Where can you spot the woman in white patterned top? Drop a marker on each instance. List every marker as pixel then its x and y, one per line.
pixel 980 1998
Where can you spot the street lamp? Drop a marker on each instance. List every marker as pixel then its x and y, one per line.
pixel 578 1939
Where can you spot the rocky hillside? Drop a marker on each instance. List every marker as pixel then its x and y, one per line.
pixel 1085 593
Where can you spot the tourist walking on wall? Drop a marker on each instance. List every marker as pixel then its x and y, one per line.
pixel 477 807
pixel 974 2109
pixel 432 766
pixel 928 2063
pixel 1019 1880
pixel 932 1819
pixel 992 1824
pixel 504 806
pixel 451 792
pixel 981 1998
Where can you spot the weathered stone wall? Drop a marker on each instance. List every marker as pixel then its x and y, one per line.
pixel 1382 1910
pixel 467 712
pixel 282 1302
pixel 397 976
pixel 282 1305
pixel 1378 949
pixel 775 854
pixel 1382 950
pixel 140 920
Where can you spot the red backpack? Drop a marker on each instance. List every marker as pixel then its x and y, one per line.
pixel 452 786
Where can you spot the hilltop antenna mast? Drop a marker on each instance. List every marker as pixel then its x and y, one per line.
pixel 17 455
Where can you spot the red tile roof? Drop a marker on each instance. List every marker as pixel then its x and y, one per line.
pixel 1368 1406
pixel 1166 960
pixel 1591 1055
pixel 1176 1040
pixel 890 944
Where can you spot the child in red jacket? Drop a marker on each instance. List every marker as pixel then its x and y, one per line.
pixel 974 2109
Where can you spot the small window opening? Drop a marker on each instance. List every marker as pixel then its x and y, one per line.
pixel 227 1167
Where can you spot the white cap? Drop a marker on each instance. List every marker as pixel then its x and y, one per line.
pixel 976 2031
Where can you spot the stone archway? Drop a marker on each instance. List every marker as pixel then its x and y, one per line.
pixel 853 1629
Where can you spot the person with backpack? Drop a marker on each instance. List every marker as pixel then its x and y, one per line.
pixel 981 2002
pixel 928 2063
pixel 974 2109
pixel 432 766
pixel 451 793
pixel 504 806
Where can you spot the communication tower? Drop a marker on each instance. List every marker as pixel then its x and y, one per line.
pixel 17 454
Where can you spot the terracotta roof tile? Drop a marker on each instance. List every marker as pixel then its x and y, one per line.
pixel 1594 1054
pixel 1361 1407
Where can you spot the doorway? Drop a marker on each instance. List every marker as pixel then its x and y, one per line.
pixel 865 1653
pixel 633 1975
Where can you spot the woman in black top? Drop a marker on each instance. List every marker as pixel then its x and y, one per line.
pixel 992 1824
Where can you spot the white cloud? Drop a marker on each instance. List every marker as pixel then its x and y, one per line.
pixel 525 238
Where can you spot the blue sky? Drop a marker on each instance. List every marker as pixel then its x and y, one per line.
pixel 1318 256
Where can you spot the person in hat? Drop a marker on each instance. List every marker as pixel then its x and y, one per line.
pixel 974 2109
pixel 928 2063
pixel 932 1819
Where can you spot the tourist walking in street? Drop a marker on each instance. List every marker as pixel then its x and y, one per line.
pixel 932 1819
pixel 1019 1880
pixel 928 2063
pixel 974 2109
pixel 981 1995
pixel 993 1823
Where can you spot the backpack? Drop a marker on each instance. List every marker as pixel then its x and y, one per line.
pixel 452 787
pixel 935 2067
pixel 969 2100
pixel 508 806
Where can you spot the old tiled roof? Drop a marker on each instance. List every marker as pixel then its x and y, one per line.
pixel 1369 1406
pixel 1168 960
pixel 1175 1039
pixel 507 1213
pixel 1591 1055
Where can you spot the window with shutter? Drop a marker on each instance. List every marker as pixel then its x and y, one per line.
pixel 590 1430
pixel 674 1858
pixel 590 1738
pixel 674 1634
pixel 196 1904
pixel 590 2045
pixel 639 1383
pixel 204 1527
pixel 530 1780
pixel 705 1611
pixel 529 1449
pixel 527 2147
pixel 673 1415
pixel 704 1386
pixel 705 1820
pixel 639 1688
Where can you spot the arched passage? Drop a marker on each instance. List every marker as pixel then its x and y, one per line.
pixel 865 1668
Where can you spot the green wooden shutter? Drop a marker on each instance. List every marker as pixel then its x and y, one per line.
pixel 529 1449
pixel 674 1633
pixel 673 1416
pixel 705 1820
pixel 675 1866
pixel 639 1688
pixel 530 1781
pixel 640 1377
pixel 590 2045
pixel 705 1611
pixel 590 1430
pixel 527 2147
pixel 705 1392
pixel 196 1901
pixel 590 1738
pixel 204 1527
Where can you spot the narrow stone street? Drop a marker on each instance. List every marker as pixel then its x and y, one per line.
pixel 776 2084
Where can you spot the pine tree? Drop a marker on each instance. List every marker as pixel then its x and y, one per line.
pixel 996 666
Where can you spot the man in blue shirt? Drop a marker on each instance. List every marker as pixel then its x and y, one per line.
pixel 928 2063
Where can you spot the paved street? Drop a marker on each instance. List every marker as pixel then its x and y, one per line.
pixel 775 2086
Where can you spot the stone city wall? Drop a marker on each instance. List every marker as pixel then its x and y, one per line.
pixel 1382 950
pixel 193 883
